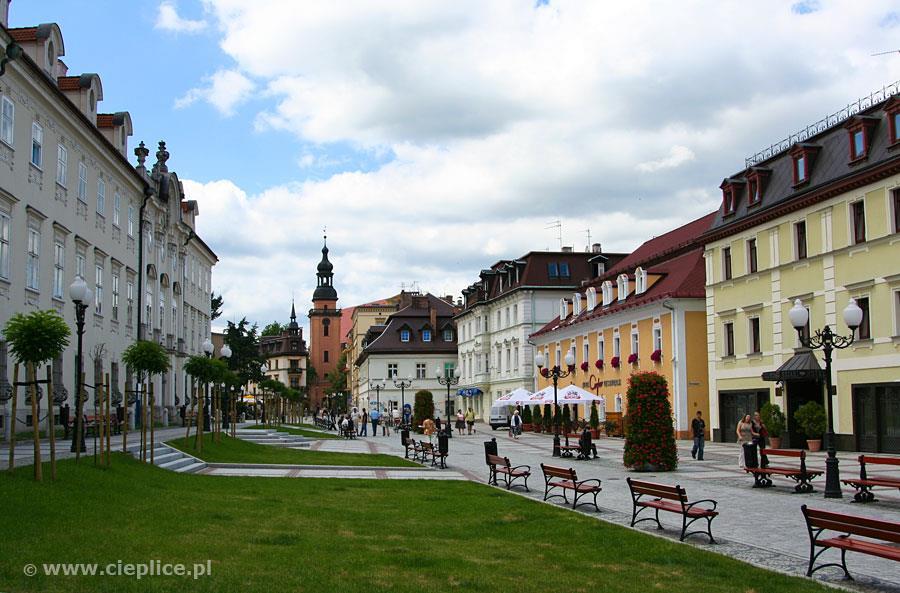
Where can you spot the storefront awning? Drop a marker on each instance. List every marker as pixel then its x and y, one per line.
pixel 469 392
pixel 802 366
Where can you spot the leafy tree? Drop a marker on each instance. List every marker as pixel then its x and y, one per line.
pixel 423 407
pixel 215 306
pixel 273 329
pixel 245 358
pixel 548 418
pixel 649 433
pixel 337 378
pixel 34 339
pixel 526 415
pixel 595 416
pixel 536 418
pixel 146 359
pixel 206 370
pixel 811 419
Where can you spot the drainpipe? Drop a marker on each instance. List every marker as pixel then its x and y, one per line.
pixel 678 388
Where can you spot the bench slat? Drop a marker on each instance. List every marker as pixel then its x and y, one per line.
pixel 864 526
pixel 864 547
pixel 879 460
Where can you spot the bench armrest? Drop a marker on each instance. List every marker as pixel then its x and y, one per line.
pixel 584 482
pixel 518 467
pixel 705 500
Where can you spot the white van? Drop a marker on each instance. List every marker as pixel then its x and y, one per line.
pixel 500 417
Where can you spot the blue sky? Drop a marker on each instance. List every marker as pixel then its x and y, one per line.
pixel 435 138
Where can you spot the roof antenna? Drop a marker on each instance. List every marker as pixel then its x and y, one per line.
pixel 587 249
pixel 556 224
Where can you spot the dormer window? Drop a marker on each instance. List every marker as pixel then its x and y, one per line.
pixel 730 193
pixel 426 335
pixel 563 309
pixel 576 305
pixel 553 270
pixel 803 157
pixel 622 282
pixel 860 129
pixel 606 287
pixel 756 184
pixel 892 110
pixel 640 281
pixel 404 335
pixel 591 298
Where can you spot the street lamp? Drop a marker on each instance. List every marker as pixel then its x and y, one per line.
pixel 377 387
pixel 827 341
pixel 555 373
pixel 81 295
pixel 403 384
pixel 445 377
pixel 263 368
pixel 225 353
pixel 208 348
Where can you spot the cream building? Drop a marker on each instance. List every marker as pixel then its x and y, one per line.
pixel 359 320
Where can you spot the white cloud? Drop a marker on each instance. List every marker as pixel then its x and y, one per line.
pixel 500 116
pixel 224 90
pixel 678 155
pixel 167 19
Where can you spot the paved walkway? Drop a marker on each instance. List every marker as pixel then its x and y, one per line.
pixel 762 527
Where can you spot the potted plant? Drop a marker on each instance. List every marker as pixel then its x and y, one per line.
pixel 584 366
pixel 595 421
pixel 526 418
pixel 774 420
pixel 537 420
pixel 656 356
pixel 599 364
pixel 615 362
pixel 548 419
pixel 610 427
pixel 649 432
pixel 632 358
pixel 811 419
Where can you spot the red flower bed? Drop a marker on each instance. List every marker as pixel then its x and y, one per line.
pixel 614 362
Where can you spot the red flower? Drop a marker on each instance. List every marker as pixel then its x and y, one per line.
pixel 614 362
pixel 656 356
pixel 545 372
pixel 584 366
pixel 632 358
pixel 599 364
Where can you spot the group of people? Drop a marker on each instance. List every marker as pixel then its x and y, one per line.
pixel 751 436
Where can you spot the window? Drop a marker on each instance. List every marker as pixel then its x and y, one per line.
pixel 657 338
pixel 448 335
pixel 799 169
pixel 426 335
pixel 616 346
pixel 858 214
pixel 62 166
pixel 622 282
pixel 115 298
pixel 591 298
pixel 7 120
pixel 392 370
pixel 98 290
pixel 515 314
pixel 634 343
pixel 37 145
pixel 751 256
pixel 726 263
pixel 516 359
pixel 59 269
pixel 117 207
pixel 800 239
pixel 864 332
pixel 32 261
pixel 507 317
pixel 82 182
pixel 101 197
pixel 325 326
pixel 131 226
pixel 449 367
pixel 897 313
pixel 325 356
pixel 640 281
pixel 729 339
pixel 606 288
pixel 858 145
pixel 895 195
pixel 755 347
pixel 728 199
pixel 404 335
pixel 79 265
pixel 498 320
pixel 587 351
pixel 129 297
pixel 601 349
pixel 564 270
pixel 553 270
pixel 753 191
pixel 4 245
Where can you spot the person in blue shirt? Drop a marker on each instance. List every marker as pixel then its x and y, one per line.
pixel 374 417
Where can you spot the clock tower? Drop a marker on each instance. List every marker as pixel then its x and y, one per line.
pixel 324 330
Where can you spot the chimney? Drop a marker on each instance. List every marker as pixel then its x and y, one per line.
pixel 596 248
pixel 567 249
pixel 432 315
pixel 449 298
pixel 4 13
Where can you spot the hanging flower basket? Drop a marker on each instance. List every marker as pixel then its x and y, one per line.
pixel 584 366
pixel 599 364
pixel 632 358
pixel 614 362
pixel 545 372
pixel 656 356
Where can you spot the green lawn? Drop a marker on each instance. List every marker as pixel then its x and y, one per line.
pixel 231 450
pixel 297 431
pixel 320 535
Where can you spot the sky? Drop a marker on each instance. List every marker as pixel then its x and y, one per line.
pixel 433 139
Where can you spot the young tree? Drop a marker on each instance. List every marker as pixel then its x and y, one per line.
pixel 537 419
pixel 206 371
pixel 337 378
pixel 147 358
pixel 245 359
pixel 649 433
pixel 215 306
pixel 34 339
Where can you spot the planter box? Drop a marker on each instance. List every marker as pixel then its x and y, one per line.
pixel 814 445
pixel 526 427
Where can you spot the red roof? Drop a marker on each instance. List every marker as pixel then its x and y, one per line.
pixel 69 83
pixel 23 34
pixel 106 120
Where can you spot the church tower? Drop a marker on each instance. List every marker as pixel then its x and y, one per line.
pixel 324 330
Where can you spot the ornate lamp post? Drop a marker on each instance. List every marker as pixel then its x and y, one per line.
pixel 445 377
pixel 403 384
pixel 263 368
pixel 377 386
pixel 555 374
pixel 225 353
pixel 827 341
pixel 81 295
pixel 207 347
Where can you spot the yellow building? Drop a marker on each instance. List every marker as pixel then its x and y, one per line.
pixel 816 222
pixel 356 322
pixel 646 313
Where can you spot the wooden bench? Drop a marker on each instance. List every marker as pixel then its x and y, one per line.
pixel 568 480
pixel 801 475
pixel 817 522
pixel 323 423
pixel 437 457
pixel 649 495
pixel 865 482
pixel 349 432
pixel 511 473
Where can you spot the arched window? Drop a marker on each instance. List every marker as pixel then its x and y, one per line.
pixel 622 282
pixel 607 292
pixel 619 402
pixel 576 305
pixel 563 309
pixel 591 298
pixel 640 281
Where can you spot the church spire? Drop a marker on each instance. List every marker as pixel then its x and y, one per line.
pixel 325 273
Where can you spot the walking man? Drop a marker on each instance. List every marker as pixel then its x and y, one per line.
pixel 698 426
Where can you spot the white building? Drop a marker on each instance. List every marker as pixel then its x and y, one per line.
pixel 72 205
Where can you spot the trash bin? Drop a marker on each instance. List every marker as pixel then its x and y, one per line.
pixel 404 436
pixel 443 444
pixel 750 457
pixel 490 448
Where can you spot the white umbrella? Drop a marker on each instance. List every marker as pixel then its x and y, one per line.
pixel 569 394
pixel 513 398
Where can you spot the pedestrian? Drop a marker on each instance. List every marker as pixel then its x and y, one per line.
pixel 744 437
pixel 515 425
pixel 395 416
pixel 428 427
pixel 586 442
pixel 374 417
pixel 470 420
pixel 437 423
pixel 460 422
pixel 759 432
pixel 364 423
pixel 386 425
pixel 354 417
pixel 698 426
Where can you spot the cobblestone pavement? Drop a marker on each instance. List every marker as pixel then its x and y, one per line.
pixel 761 526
